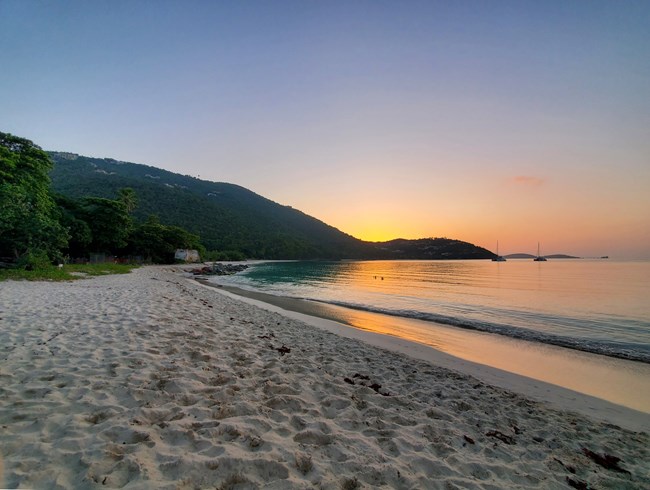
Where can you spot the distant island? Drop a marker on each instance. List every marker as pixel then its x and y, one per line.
pixel 530 256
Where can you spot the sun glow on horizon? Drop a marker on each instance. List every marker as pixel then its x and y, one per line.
pixel 378 235
pixel 385 122
pixel 518 235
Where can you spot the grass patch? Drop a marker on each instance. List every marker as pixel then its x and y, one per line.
pixel 68 272
pixel 100 269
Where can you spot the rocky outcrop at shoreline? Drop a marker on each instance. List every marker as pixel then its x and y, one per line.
pixel 218 269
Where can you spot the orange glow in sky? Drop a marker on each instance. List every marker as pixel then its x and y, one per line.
pixel 521 122
pixel 572 214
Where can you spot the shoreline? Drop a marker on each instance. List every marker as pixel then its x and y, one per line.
pixel 152 380
pixel 494 359
pixel 610 328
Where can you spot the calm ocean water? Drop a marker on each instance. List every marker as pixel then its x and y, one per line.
pixel 598 306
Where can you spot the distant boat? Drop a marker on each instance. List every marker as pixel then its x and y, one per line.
pixel 498 258
pixel 539 258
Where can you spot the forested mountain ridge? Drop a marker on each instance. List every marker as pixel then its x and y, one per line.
pixel 225 216
pixel 230 217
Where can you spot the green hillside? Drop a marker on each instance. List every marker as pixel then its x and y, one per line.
pixel 230 217
pixel 225 216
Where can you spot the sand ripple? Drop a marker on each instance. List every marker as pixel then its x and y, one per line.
pixel 152 381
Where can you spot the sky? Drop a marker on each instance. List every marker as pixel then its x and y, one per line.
pixel 511 121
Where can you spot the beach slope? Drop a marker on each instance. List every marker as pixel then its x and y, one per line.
pixel 149 380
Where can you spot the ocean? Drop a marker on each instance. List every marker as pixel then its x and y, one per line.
pixel 599 306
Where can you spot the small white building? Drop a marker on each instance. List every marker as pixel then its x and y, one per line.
pixel 187 255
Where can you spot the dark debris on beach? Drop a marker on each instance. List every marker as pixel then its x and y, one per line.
pixel 501 436
pixel 607 461
pixel 374 386
pixel 283 350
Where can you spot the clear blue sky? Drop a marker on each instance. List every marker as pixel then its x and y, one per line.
pixel 518 121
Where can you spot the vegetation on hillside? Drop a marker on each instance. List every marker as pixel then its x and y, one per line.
pixel 232 220
pixel 38 228
pixel 102 206
pixel 226 216
pixel 432 248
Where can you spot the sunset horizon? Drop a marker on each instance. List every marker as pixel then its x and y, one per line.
pixel 374 228
pixel 521 123
pixel 369 222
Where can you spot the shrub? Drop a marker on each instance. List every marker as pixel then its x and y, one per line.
pixel 34 260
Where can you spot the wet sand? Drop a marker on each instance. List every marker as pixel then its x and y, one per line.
pixel 601 378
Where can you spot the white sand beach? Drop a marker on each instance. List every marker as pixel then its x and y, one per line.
pixel 151 380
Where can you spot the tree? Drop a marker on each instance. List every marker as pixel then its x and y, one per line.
pixel 109 222
pixel 128 197
pixel 181 238
pixel 29 219
pixel 72 219
pixel 147 240
pixel 157 242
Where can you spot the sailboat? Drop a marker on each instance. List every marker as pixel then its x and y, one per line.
pixel 539 258
pixel 498 258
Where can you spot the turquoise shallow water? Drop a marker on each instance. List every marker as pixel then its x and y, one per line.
pixel 598 306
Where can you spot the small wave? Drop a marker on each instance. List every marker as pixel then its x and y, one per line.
pixel 585 345
pixel 596 346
